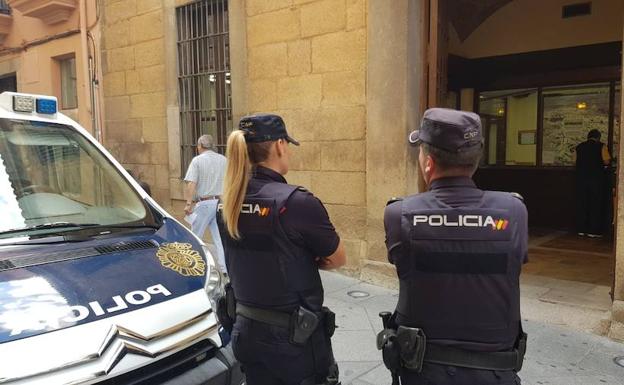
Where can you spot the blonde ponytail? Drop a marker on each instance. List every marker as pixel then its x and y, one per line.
pixel 237 176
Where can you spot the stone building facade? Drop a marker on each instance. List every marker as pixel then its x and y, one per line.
pixel 133 58
pixel 46 48
pixel 311 70
pixel 350 77
pixel 283 61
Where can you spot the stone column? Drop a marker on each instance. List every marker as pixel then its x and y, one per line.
pixel 617 325
pixel 467 99
pixel 176 185
pixel 393 103
pixel 238 58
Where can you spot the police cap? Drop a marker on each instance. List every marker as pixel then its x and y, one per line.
pixel 449 130
pixel 264 128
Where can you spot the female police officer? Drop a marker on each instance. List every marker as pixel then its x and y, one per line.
pixel 276 237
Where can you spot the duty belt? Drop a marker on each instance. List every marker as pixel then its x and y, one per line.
pixel 446 355
pixel 271 317
pixel 301 323
pixel 407 348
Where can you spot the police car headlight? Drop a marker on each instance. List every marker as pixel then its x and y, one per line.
pixel 214 281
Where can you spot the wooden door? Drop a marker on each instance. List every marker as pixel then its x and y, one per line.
pixel 437 52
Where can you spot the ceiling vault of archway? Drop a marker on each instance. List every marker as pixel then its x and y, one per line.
pixel 467 15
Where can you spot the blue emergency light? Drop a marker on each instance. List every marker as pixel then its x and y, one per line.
pixel 46 106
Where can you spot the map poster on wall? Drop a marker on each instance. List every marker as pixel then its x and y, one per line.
pixel 565 128
pixel 548 157
pixel 12 217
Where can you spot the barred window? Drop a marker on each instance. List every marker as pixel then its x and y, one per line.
pixel 203 75
pixel 4 7
pixel 69 94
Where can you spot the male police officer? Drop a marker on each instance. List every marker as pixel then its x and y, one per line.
pixel 458 252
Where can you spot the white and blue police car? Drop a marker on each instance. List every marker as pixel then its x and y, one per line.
pixel 98 284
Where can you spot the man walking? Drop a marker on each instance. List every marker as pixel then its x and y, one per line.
pixel 204 184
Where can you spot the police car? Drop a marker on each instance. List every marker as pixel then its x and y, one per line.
pixel 98 284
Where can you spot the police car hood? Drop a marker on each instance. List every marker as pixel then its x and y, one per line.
pixel 47 288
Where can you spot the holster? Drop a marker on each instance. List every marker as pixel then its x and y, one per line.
pixel 304 326
pixel 325 366
pixel 303 323
pixel 328 318
pixel 387 343
pixel 226 309
pixel 412 343
pixel 521 345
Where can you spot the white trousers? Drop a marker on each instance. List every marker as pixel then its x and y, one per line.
pixel 206 216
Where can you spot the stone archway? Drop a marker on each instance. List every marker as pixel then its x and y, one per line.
pixel 617 324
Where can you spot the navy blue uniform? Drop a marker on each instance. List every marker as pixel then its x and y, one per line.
pixel 284 229
pixel 458 251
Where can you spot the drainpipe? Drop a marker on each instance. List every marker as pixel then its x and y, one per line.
pixel 86 85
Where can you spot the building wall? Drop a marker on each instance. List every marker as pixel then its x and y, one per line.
pixel 534 25
pixel 306 61
pixel 134 86
pixel 30 51
pixel 394 99
pixel 303 59
pixel 521 116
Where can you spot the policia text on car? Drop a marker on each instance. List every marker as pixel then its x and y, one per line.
pixel 276 237
pixel 458 252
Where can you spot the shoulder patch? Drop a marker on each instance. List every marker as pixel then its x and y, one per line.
pixel 517 196
pixel 392 200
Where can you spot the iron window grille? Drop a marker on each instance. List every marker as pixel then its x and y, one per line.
pixel 204 81
pixel 4 7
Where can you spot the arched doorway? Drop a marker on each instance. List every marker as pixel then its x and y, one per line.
pixel 541 75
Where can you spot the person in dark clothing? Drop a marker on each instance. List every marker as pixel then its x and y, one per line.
pixel 276 237
pixel 591 158
pixel 458 252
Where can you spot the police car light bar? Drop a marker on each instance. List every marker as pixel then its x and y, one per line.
pixel 23 103
pixel 28 103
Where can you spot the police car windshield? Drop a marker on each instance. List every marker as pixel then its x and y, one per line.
pixel 50 173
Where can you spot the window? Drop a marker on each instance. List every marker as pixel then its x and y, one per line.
pixel 8 83
pixel 69 96
pixel 204 81
pixel 542 126
pixel 569 114
pixel 509 120
pixel 4 7
pixel 44 162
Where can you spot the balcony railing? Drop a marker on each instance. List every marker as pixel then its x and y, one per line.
pixel 4 7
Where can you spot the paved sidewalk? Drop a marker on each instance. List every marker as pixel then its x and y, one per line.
pixel 555 356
